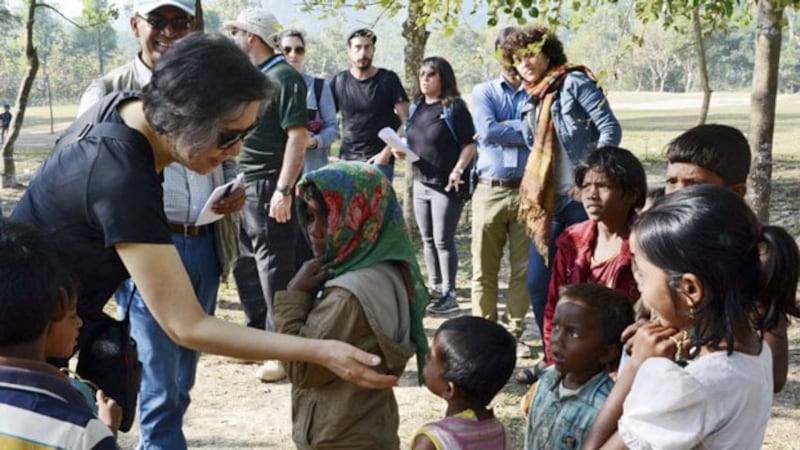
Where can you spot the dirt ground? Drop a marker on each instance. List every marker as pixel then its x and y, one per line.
pixel 231 409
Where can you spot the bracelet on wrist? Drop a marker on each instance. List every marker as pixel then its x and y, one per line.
pixel 457 171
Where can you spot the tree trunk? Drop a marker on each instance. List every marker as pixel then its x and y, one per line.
pixel 700 48
pixel 49 97
pixel 99 40
pixel 199 23
pixel 762 104
pixel 416 37
pixel 9 168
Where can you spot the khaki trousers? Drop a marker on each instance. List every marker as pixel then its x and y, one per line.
pixel 494 221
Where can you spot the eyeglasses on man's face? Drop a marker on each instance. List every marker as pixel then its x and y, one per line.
pixel 159 23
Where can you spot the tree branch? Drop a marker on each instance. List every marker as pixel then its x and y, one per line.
pixel 60 14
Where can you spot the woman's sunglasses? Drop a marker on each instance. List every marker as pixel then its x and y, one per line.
pixel 296 50
pixel 227 139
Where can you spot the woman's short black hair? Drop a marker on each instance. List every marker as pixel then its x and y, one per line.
pixel 202 81
pixel 478 356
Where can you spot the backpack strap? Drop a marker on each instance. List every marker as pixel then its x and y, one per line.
pixel 318 82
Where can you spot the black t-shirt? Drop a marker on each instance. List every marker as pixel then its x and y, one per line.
pixel 367 106
pixel 92 194
pixel 5 119
pixel 430 138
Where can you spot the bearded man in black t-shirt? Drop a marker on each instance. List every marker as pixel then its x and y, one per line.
pixel 369 99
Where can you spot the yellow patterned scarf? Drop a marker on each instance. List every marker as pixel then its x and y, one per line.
pixel 537 189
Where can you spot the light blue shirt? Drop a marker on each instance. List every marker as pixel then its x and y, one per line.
pixel 560 419
pixel 497 112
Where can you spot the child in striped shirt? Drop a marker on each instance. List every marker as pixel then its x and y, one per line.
pixel 471 359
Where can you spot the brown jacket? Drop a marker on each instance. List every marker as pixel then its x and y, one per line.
pixel 368 308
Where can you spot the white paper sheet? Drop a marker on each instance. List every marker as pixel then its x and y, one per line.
pixel 391 138
pixel 207 215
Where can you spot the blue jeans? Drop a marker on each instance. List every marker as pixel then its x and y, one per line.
pixel 569 212
pixel 168 370
pixel 437 216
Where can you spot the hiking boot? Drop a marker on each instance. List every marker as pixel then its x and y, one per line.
pixel 446 304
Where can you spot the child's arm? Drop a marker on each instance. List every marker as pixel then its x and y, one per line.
pixel 337 316
pixel 108 411
pixel 650 340
pixel 778 342
pixel 422 442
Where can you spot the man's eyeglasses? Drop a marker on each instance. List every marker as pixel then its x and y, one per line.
pixel 227 139
pixel 159 23
pixel 296 50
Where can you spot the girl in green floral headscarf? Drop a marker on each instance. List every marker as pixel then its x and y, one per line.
pixel 363 287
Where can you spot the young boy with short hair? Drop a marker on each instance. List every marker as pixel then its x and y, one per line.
pixel 708 154
pixel 471 359
pixel 37 403
pixel 588 321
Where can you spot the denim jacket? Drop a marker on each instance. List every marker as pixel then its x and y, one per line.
pixel 582 117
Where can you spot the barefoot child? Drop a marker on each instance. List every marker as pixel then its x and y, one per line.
pixel 612 186
pixel 714 278
pixel 585 342
pixel 471 359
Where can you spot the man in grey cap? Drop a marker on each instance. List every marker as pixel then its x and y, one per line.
pixel 272 160
pixel 168 370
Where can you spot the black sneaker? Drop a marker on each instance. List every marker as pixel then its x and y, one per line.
pixel 446 304
pixel 434 293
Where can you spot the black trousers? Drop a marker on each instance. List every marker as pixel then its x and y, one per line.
pixel 267 261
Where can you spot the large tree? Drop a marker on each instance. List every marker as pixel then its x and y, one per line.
pixel 9 177
pixel 769 32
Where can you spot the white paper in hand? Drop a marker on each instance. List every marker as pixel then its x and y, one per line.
pixel 207 215
pixel 391 138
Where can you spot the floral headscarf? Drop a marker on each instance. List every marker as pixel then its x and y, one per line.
pixel 365 227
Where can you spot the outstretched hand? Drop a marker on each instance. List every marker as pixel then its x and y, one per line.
pixel 353 365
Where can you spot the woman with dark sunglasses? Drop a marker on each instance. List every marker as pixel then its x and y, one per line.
pixel 100 193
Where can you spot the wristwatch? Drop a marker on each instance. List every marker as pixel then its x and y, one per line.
pixel 284 190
